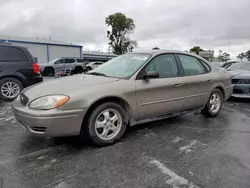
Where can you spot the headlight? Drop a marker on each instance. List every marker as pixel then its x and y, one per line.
pixel 49 102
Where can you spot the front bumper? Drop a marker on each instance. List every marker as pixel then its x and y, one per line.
pixel 53 122
pixel 241 91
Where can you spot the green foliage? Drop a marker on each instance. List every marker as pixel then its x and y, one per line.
pixel 196 49
pixel 241 56
pixel 247 54
pixel 156 48
pixel 120 28
pixel 223 56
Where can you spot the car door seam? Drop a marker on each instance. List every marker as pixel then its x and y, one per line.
pixel 173 99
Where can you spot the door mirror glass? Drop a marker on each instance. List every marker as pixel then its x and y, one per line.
pixel 151 74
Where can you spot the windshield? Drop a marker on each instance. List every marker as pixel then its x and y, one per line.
pixel 240 66
pixel 122 66
pixel 217 64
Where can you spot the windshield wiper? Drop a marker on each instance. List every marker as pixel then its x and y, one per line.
pixel 96 74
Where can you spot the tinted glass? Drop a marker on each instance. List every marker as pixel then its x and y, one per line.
pixel 191 65
pixel 81 61
pixel 70 60
pixel 12 54
pixel 60 61
pixel 165 65
pixel 98 63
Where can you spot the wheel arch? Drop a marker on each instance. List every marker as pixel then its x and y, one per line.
pixel 20 78
pixel 219 87
pixel 118 100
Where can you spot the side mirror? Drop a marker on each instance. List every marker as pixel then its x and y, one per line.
pixel 151 74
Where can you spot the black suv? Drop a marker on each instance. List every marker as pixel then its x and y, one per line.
pixel 18 69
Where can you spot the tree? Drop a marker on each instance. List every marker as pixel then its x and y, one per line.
pixel 248 55
pixel 120 27
pixel 156 48
pixel 196 49
pixel 223 56
pixel 241 56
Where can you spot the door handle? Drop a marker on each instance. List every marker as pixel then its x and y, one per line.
pixel 210 80
pixel 177 85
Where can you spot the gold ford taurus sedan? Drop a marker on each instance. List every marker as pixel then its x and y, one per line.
pixel 124 91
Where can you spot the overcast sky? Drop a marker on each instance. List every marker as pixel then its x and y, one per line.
pixel 176 24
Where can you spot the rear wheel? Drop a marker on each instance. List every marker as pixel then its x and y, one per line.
pixel 89 68
pixel 10 88
pixel 107 124
pixel 214 104
pixel 78 70
pixel 49 71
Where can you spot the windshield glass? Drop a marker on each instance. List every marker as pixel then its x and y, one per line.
pixel 123 66
pixel 217 64
pixel 240 66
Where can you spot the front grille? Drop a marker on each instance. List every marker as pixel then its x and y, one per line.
pixel 235 81
pixel 240 81
pixel 237 91
pixel 23 99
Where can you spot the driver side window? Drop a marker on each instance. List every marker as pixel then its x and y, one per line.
pixel 60 61
pixel 165 65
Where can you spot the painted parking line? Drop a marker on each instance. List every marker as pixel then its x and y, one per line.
pixel 175 180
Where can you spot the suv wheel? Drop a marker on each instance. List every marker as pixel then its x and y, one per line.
pixel 214 104
pixel 89 68
pixel 78 70
pixel 10 88
pixel 107 124
pixel 49 71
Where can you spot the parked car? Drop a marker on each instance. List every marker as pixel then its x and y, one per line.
pixel 18 69
pixel 223 65
pixel 240 79
pixel 90 66
pixel 126 90
pixel 60 64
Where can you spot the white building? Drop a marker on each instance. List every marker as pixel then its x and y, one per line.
pixel 45 50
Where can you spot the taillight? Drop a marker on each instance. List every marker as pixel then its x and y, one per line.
pixel 36 68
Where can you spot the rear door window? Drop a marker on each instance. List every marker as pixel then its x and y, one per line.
pixel 12 54
pixel 70 60
pixel 191 65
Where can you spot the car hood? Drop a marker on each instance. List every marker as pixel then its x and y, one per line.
pixel 240 73
pixel 65 85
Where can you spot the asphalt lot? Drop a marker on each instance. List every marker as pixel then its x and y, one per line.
pixel 186 151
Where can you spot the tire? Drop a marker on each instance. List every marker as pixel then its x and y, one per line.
pixel 49 71
pixel 98 115
pixel 13 83
pixel 78 70
pixel 89 69
pixel 211 111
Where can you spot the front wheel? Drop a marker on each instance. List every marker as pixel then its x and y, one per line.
pixel 10 88
pixel 107 124
pixel 214 104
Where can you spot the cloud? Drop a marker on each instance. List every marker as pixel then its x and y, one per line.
pixel 167 24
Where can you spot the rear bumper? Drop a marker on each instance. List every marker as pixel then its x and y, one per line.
pixel 228 92
pixel 33 80
pixel 241 91
pixel 53 122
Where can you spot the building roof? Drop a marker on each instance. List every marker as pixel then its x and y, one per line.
pixel 96 53
pixel 35 41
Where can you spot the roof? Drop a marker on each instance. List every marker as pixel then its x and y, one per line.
pixel 35 41
pixel 158 52
pixel 93 53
